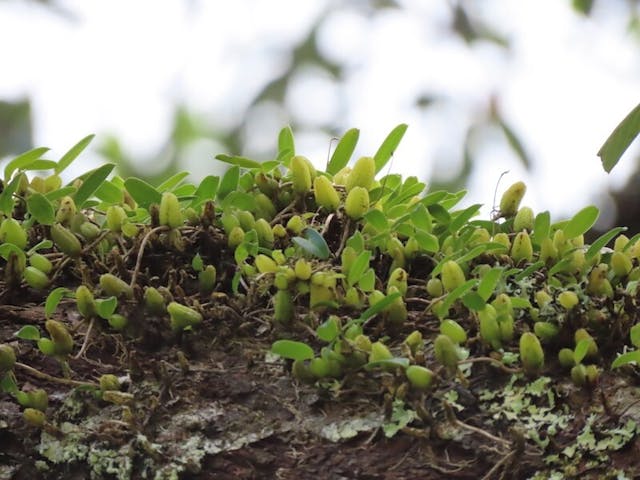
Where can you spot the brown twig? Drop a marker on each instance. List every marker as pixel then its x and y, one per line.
pixel 85 342
pixel 143 245
pixel 493 361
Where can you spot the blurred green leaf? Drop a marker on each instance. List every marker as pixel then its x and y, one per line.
pixel 488 283
pixel 602 242
pixel 106 306
pixel 73 153
pixel 581 222
pixel 455 294
pixel 328 330
pixel 109 193
pixel 395 362
pixel 23 161
pixel 388 147
pixel 313 243
pixel 229 182
pixel 627 358
pixel 377 219
pixel 170 183
pixel 344 150
pixel 28 332
pixel 378 307
pixel 634 335
pixel 427 241
pixel 240 200
pixel 41 164
pixel 620 139
pixel 473 301
pixel 238 161
pixel 143 193
pixel 61 192
pixel 286 142
pixel 41 209
pixel 292 350
pixel 359 266
pixel 206 190
pixel 91 183
pixel 367 282
pixel 541 227
pixel 459 219
pixel 54 298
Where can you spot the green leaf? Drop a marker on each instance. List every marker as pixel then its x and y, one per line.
pixel 41 209
pixel 454 295
pixel 378 307
pixel 109 193
pixel 7 249
pixel 367 282
pixel 91 183
pixel 343 151
pixel 627 358
pixel 438 212
pixel 196 263
pixel 602 242
pixel 488 283
pixel 427 241
pixel 22 161
pixel 461 218
pixel 286 144
pixel 581 222
pixel 240 200
pixel 313 243
pixel 634 334
pixel 389 146
pixel 433 197
pixel 520 302
pixel 229 182
pixel 541 227
pixel 356 241
pixel 171 182
pixel 73 153
pixel 377 219
pixel 143 193
pixel 28 332
pixel 560 266
pixel 534 267
pixel 8 383
pixel 328 330
pixel 238 161
pixel 6 196
pixel 620 139
pixel 61 192
pixel 41 164
pixel 54 298
pixel 106 306
pixel 206 190
pixel 292 350
pixel 582 348
pixel 360 264
pixel 421 218
pixel 42 245
pixel 473 301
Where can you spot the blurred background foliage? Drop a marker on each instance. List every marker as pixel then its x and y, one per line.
pixel 468 22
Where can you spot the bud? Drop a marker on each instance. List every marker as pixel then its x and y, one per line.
pixel 452 275
pixel 265 233
pixel 546 331
pixel 35 278
pixel 398 278
pixel 489 327
pixel 522 248
pixel 446 352
pixel 548 251
pixel 207 279
pixel 300 174
pixel 66 241
pixel 302 269
pixel 582 334
pixel 118 322
pixel 109 381
pixel 523 220
pixel 66 210
pixel 379 351
pixel 62 340
pixel 183 316
pixel 566 358
pixel 7 358
pixel 503 239
pixel 12 232
pixel 531 354
pixel 296 224
pixel 568 299
pixel 41 262
pixel 116 217
pixel 264 207
pixel 170 211
pixel 414 341
pixel 420 377
pixel 396 313
pixel 115 286
pixel 154 301
pixel 434 287
pixel 236 237
pixel 34 417
pixel 85 302
pixel 454 331
pixel 265 264
pixel 620 264
pixel 283 308
pixel 357 203
pixel 362 174
pixel 579 375
pixel 325 194
pixel 511 199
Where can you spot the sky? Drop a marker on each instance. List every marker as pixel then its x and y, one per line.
pixel 120 67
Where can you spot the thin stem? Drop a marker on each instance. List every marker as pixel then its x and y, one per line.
pixel 50 378
pixel 143 245
pixel 493 361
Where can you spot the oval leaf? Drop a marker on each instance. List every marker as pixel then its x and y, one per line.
pixel 385 152
pixel 53 299
pixel 73 153
pixel 41 209
pixel 22 161
pixel 28 332
pixel 328 330
pixel 343 151
pixel 581 222
pixel 627 358
pixel 292 350
pixel 91 183
pixel 143 193
pixel 620 139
